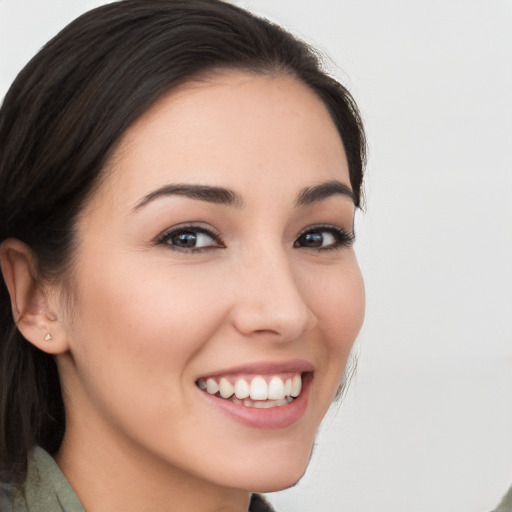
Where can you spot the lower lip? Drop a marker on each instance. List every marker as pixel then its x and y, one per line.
pixel 272 418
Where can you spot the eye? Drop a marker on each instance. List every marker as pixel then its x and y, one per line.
pixel 324 237
pixel 190 238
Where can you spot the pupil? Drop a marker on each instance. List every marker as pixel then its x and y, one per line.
pixel 313 239
pixel 185 240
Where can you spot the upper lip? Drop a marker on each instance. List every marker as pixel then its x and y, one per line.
pixel 264 368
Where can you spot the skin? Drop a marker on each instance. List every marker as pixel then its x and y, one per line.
pixel 148 319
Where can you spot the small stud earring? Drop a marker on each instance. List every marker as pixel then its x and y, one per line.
pixel 48 337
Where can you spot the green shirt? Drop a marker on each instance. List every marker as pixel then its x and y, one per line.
pixel 46 489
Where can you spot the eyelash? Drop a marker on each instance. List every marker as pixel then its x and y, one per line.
pixel 341 237
pixel 192 228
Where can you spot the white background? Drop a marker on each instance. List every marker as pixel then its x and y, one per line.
pixel 427 424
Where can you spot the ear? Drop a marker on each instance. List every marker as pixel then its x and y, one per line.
pixel 33 310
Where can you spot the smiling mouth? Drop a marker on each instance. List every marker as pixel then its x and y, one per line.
pixel 259 391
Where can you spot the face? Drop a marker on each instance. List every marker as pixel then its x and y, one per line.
pixel 216 291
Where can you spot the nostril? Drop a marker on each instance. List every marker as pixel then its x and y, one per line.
pixel 274 322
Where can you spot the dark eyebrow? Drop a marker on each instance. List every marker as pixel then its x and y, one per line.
pixel 206 193
pixel 323 191
pixel 224 196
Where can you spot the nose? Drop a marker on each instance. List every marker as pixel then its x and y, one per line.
pixel 270 303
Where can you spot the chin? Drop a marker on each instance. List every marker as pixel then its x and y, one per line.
pixel 278 483
pixel 274 473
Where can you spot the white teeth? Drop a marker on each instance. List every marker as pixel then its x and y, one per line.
pixel 259 389
pixel 263 404
pixel 276 389
pixel 226 389
pixel 258 393
pixel 242 389
pixel 266 404
pixel 211 386
pixel 296 386
pixel 288 387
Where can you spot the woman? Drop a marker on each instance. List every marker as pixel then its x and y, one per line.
pixel 178 183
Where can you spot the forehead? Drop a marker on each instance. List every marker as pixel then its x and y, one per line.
pixel 243 130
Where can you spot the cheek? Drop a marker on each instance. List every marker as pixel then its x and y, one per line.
pixel 336 296
pixel 136 331
pixel 338 301
pixel 339 308
pixel 145 313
